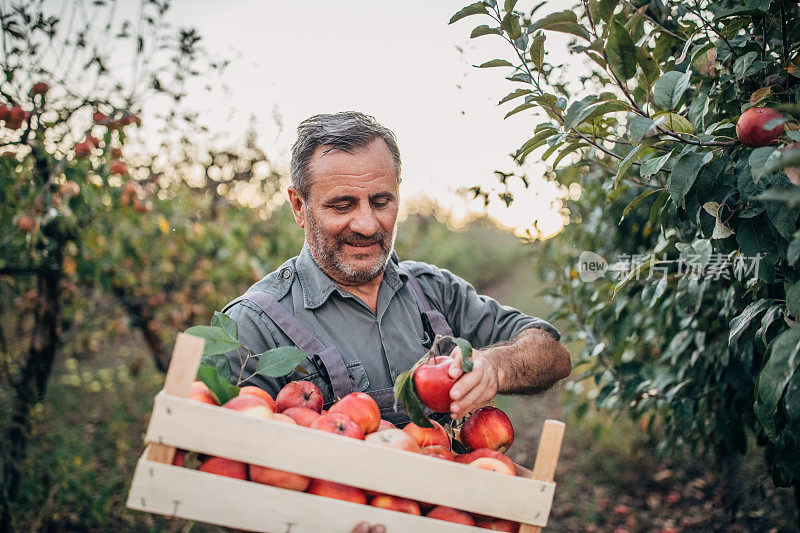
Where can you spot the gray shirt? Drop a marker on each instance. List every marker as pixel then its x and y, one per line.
pixel 376 346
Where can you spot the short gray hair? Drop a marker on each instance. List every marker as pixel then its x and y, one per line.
pixel 346 131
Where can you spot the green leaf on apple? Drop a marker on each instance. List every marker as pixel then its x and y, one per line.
pixel 466 353
pixel 220 362
pixel 278 362
pixel 404 393
pixel 220 387
pixel 225 322
pixel 218 340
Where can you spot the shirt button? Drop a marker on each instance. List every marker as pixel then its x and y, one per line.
pixel 285 273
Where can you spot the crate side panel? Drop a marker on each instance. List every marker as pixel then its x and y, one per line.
pixel 195 426
pixel 193 495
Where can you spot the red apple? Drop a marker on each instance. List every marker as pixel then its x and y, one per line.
pixel 433 383
pixel 329 489
pixel 201 393
pixel 437 450
pixel 302 415
pixel 279 478
pixel 361 408
pixel 118 167
pixel 451 515
pixel 497 524
pixel 428 436
pixel 339 424
pixel 39 88
pixel 225 467
pixel 394 438
pixel 395 503
pixel 467 458
pixel 492 464
pixel 261 393
pixel 750 127
pixel 488 427
pixel 299 394
pixel 385 424
pixel 5 112
pixel 26 224
pixel 83 149
pixel 250 405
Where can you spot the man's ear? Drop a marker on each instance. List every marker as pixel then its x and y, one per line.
pixel 298 206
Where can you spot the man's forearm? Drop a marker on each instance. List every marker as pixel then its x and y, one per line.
pixel 531 362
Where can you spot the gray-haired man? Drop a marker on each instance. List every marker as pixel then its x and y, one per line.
pixel 362 315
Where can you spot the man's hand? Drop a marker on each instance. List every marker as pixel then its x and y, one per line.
pixel 473 389
pixel 364 527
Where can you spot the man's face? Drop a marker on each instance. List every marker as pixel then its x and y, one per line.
pixel 350 215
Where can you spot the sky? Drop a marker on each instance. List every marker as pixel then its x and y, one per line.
pixel 397 61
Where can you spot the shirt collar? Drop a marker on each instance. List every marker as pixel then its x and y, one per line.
pixel 318 286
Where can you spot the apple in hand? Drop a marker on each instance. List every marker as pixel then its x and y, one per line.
pixel 467 458
pixel 449 514
pixel 250 405
pixel 279 478
pixel 750 127
pixel 302 415
pixel 395 503
pixel 329 489
pixel 339 424
pixel 428 436
pixel 488 427
pixel 361 408
pixel 225 467
pixel 299 394
pixel 394 438
pixel 432 382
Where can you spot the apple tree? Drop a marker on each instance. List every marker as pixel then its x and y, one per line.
pixel 693 328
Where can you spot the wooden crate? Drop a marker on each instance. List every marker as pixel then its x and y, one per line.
pixel 177 422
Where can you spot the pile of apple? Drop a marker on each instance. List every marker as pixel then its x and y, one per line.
pixel 488 433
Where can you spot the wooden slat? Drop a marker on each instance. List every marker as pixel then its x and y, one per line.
pixel 180 375
pixel 182 492
pixel 217 431
pixel 544 468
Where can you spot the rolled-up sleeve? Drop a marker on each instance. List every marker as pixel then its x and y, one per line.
pixel 475 317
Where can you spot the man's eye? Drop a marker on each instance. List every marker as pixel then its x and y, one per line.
pixel 381 203
pixel 341 208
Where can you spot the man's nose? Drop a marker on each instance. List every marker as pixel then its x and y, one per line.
pixel 364 222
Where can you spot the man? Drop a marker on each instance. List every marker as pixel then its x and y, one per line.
pixel 363 316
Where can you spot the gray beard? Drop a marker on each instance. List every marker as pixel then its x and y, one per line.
pixel 328 257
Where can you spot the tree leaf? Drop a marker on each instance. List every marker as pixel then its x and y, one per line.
pixel 669 89
pixel 675 122
pixel 621 52
pixel 758 161
pixel 740 323
pixel 653 165
pixel 279 362
pixel 787 195
pixel 637 201
pixel 774 377
pixel 405 394
pixel 793 299
pixel 495 63
pixel 220 362
pixel 648 65
pixel 217 339
pixel 760 95
pixel 473 9
pixel 225 322
pixel 578 111
pixel 483 29
pixel 626 163
pixel 466 353
pixel 561 21
pixel 537 51
pixel 683 174
pixel 515 94
pixel 223 390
